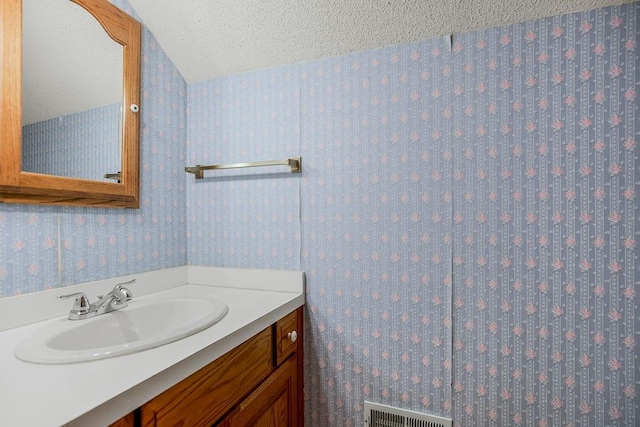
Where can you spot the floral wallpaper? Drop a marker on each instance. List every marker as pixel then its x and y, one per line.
pixel 376 211
pixel 81 145
pixel 545 221
pixel 100 243
pixel 244 217
pixel 468 218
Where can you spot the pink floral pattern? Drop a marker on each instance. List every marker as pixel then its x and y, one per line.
pixel 467 217
pixel 558 235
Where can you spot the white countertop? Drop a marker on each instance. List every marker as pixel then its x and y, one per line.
pixel 100 392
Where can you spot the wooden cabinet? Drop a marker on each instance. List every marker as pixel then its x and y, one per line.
pixel 205 396
pixel 272 404
pixel 259 383
pixel 126 421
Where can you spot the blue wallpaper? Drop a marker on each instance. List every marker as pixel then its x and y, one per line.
pixel 376 209
pixel 81 145
pixel 244 217
pixel 468 218
pixel 101 243
pixel 545 222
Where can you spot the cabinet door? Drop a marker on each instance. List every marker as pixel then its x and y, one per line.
pixel 273 404
pixel 204 397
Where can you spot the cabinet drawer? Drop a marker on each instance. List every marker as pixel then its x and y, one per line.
pixel 207 395
pixel 273 404
pixel 286 336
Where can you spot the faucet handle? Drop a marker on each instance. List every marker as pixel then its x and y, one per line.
pixel 81 305
pixel 124 293
pixel 130 282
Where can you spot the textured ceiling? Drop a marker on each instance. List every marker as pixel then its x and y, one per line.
pixel 208 39
pixel 65 73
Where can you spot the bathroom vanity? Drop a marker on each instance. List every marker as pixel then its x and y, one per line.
pixel 244 370
pixel 257 383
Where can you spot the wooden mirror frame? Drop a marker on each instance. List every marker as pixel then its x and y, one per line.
pixel 17 186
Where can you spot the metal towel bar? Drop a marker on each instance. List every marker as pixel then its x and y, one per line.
pixel 295 163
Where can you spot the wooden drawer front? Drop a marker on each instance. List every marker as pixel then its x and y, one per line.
pixel 284 344
pixel 273 404
pixel 208 394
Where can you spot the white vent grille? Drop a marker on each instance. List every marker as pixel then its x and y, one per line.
pixel 377 415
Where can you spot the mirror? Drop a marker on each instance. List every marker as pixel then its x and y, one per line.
pixel 94 117
pixel 71 92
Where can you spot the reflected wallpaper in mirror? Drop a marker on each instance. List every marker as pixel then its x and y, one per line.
pixel 80 145
pixel 72 91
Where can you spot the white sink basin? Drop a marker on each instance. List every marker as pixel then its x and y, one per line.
pixel 144 324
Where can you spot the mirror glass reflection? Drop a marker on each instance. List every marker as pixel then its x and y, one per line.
pixel 72 93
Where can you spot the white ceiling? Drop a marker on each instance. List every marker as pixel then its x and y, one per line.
pixel 207 39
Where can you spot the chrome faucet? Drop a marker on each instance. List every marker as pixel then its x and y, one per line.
pixel 114 300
